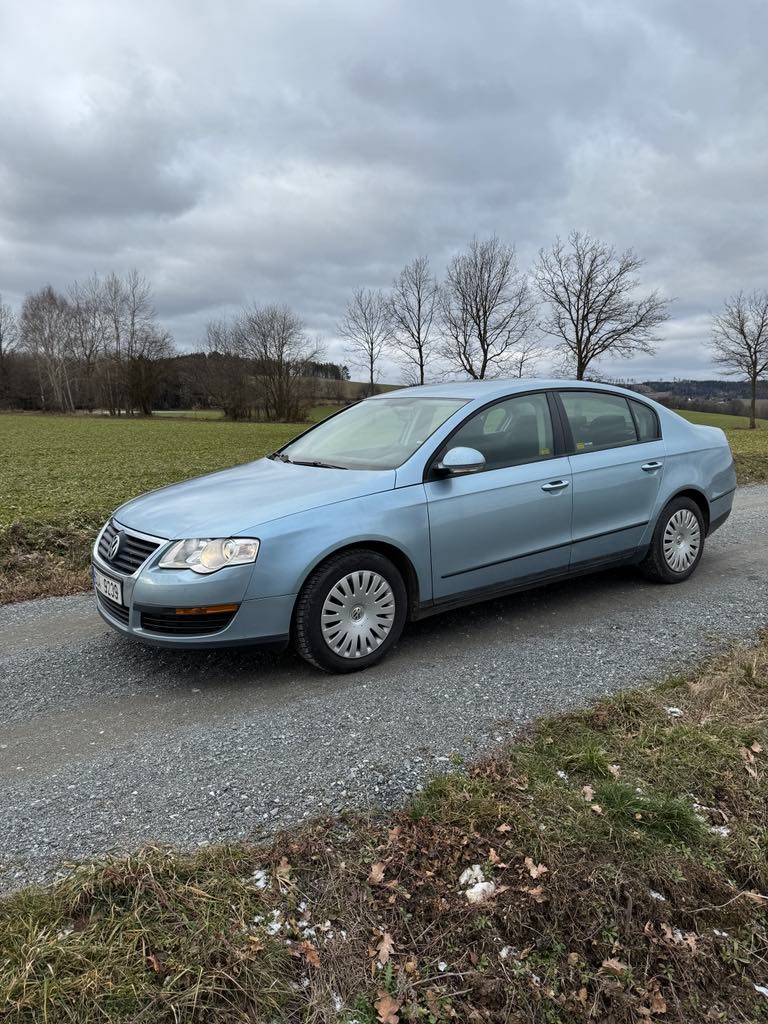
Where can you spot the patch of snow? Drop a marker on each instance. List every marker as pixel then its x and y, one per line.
pixel 674 712
pixel 442 966
pixel 658 896
pixel 762 990
pixel 473 874
pixel 720 830
pixel 562 775
pixel 259 878
pixel 480 892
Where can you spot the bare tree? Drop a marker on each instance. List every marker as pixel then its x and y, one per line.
pixel 275 340
pixel 740 341
pixel 593 306
pixel 131 334
pixel 88 334
pixel 487 312
pixel 9 337
pixel 412 304
pixel 45 334
pixel 366 326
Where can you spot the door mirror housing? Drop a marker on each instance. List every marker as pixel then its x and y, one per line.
pixel 460 461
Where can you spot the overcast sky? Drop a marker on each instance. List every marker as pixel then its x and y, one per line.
pixel 292 151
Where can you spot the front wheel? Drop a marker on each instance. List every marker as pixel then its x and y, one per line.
pixel 350 612
pixel 677 544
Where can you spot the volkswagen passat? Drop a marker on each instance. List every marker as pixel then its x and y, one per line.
pixel 410 503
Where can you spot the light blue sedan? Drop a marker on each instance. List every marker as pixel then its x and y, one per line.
pixel 410 503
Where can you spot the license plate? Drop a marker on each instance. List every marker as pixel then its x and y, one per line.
pixel 108 587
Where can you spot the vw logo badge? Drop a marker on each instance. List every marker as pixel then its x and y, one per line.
pixel 114 546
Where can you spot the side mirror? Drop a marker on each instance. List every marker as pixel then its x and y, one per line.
pixel 460 461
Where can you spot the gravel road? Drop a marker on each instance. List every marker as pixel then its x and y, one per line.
pixel 105 745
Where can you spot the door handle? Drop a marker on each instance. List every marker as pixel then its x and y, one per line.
pixel 555 485
pixel 650 466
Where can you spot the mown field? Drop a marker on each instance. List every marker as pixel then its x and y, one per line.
pixel 610 866
pixel 60 477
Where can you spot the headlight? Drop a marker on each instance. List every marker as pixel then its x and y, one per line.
pixel 206 556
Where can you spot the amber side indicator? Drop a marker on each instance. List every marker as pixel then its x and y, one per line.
pixel 212 609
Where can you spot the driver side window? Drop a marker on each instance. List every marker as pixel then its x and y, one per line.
pixel 509 433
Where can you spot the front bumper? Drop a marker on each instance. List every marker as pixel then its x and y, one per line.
pixel 151 596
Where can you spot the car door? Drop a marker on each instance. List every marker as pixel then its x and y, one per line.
pixel 617 462
pixel 511 521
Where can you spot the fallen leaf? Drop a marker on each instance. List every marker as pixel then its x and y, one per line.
pixel 387 1008
pixel 614 966
pixel 535 870
pixel 376 875
pixel 156 964
pixel 751 770
pixel 493 857
pixel 615 770
pixel 256 943
pixel 658 1002
pixel 283 873
pixel 582 996
pixel 504 828
pixel 573 958
pixel 310 953
pixel 537 894
pixel 756 748
pixel 588 793
pixel 385 948
pixel 410 966
pixel 596 808
pixel 747 754
pixel 756 897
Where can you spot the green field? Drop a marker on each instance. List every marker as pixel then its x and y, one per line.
pixel 60 469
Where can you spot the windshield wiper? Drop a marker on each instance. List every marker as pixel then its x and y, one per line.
pixel 320 465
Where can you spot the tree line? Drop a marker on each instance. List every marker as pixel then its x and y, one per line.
pixel 100 345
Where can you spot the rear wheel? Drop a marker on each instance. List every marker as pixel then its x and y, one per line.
pixel 350 611
pixel 677 544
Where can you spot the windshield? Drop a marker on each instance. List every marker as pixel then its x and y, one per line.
pixel 379 434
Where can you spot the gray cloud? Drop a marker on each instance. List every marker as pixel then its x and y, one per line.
pixel 292 151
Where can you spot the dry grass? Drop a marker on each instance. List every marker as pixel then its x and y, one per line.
pixel 627 849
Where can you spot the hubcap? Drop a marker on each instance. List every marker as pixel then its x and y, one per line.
pixel 682 540
pixel 358 614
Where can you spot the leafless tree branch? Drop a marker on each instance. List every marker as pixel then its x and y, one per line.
pixel 593 308
pixel 487 312
pixel 740 341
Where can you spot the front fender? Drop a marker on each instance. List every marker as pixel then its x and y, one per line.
pixel 293 546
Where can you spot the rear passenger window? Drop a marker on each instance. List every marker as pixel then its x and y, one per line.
pixel 647 421
pixel 598 420
pixel 509 433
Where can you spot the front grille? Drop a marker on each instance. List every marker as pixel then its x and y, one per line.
pixel 117 611
pixel 132 553
pixel 166 620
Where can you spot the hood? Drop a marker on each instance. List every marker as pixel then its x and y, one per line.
pixel 233 501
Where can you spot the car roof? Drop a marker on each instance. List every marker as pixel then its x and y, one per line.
pixel 490 389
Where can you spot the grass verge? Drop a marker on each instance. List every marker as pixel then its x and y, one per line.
pixel 609 866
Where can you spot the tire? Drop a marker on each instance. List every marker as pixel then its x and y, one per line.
pixel 677 544
pixel 350 611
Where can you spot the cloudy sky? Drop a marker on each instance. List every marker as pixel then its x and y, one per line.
pixel 291 151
